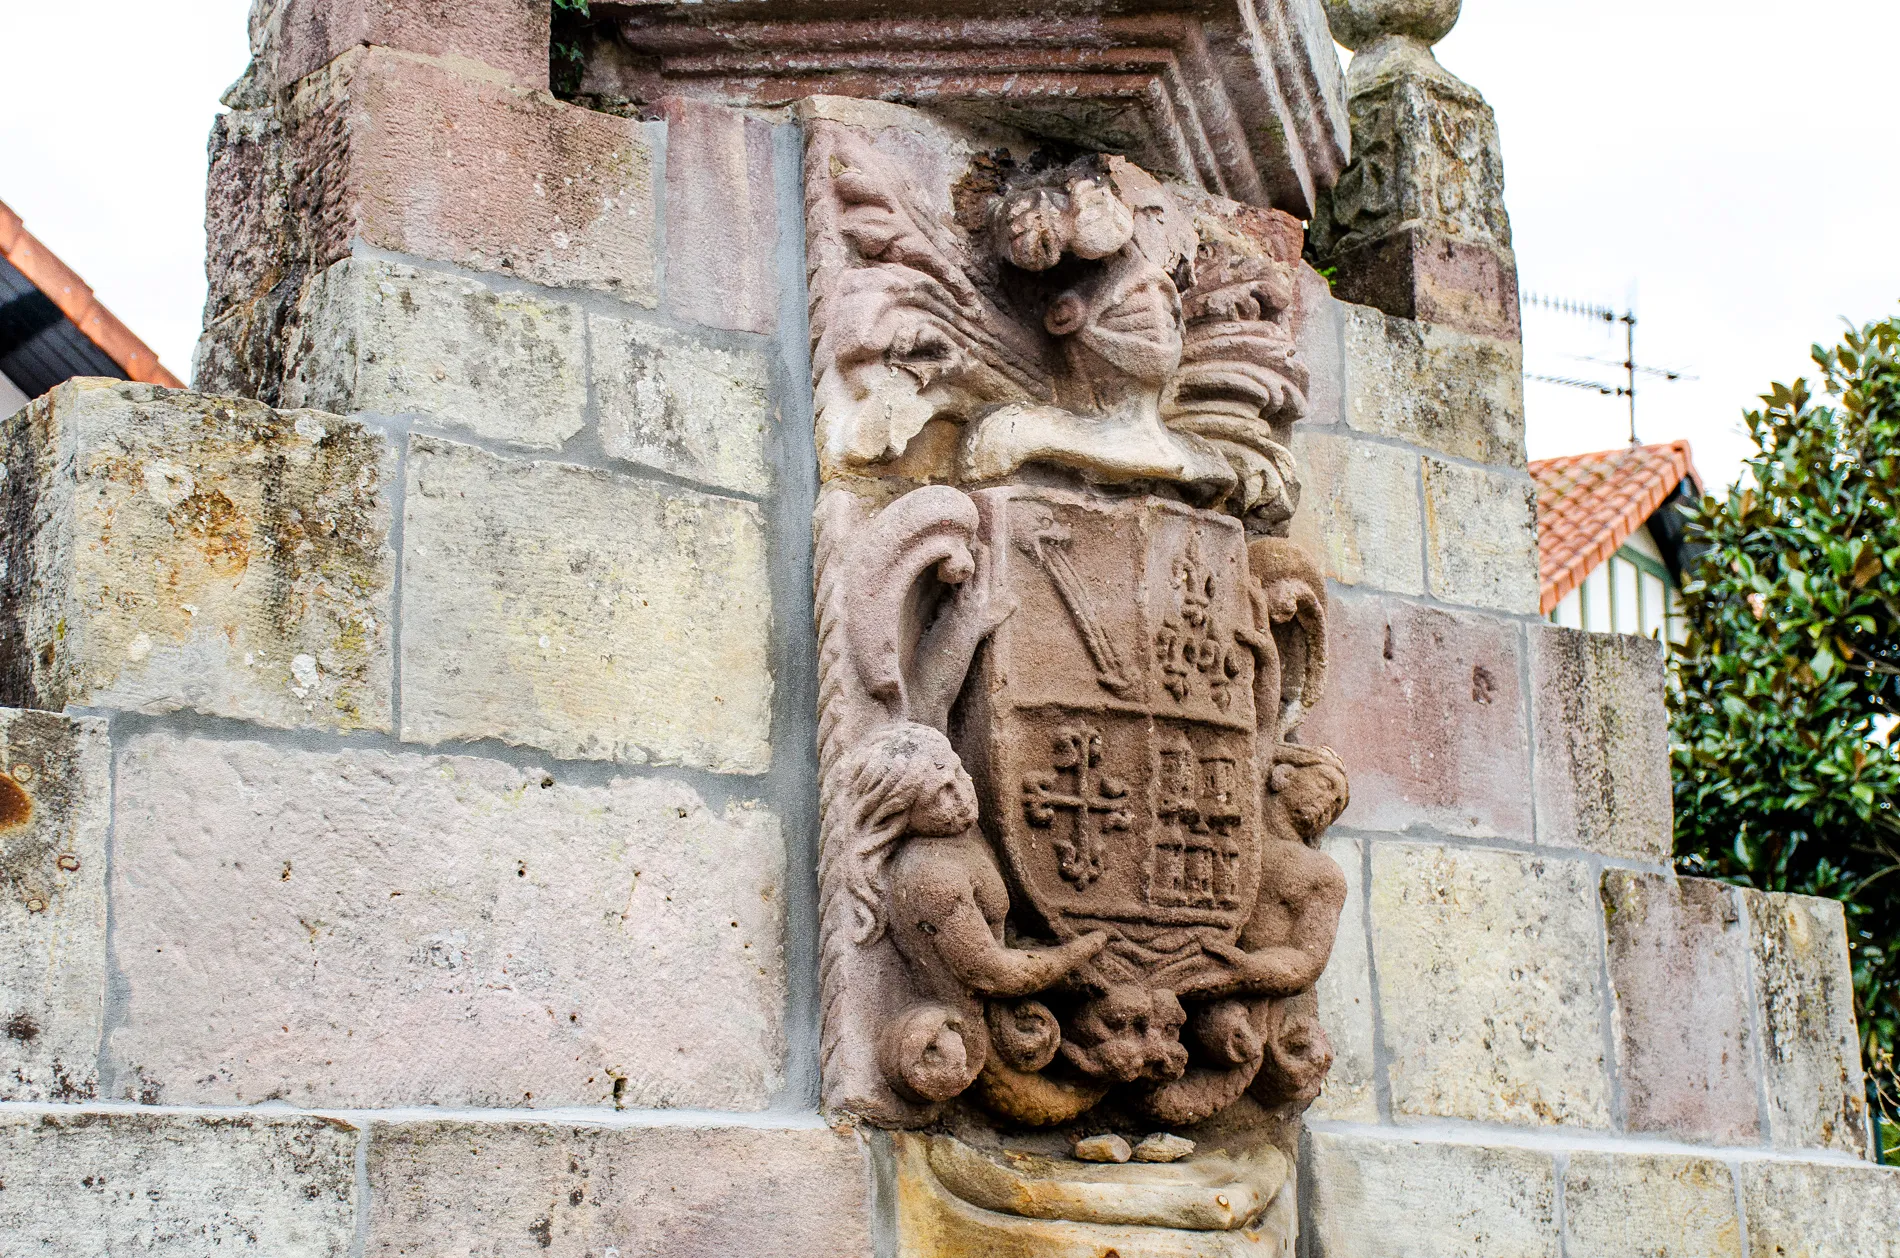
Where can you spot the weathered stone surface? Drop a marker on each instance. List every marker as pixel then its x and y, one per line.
pixel 427 156
pixel 509 36
pixel 1817 1095
pixel 169 550
pixel 1373 1197
pixel 364 929
pixel 1619 1204
pixel 1359 511
pixel 1435 387
pixel 444 165
pixel 382 337
pixel 579 1192
pixel 1429 719
pixel 1819 1210
pixel 1321 332
pixel 1602 737
pixel 1345 1000
pixel 721 217
pixel 1417 273
pixel 256 258
pixel 1678 953
pixel 91 1185
pixel 681 406
pixel 1481 537
pixel 55 811
pixel 594 616
pixel 1487 966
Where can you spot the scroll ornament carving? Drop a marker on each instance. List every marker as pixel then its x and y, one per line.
pixel 1069 854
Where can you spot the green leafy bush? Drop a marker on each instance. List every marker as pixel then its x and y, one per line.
pixel 1786 690
pixel 570 22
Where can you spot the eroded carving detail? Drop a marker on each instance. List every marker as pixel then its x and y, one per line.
pixel 1070 849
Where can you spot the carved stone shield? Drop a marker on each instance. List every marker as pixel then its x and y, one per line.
pixel 1110 724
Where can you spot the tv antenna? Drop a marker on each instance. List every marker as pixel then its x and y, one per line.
pixel 1603 314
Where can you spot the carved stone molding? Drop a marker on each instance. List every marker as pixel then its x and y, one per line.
pixel 1243 97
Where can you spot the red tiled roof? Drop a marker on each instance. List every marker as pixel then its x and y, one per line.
pixel 1590 504
pixel 67 291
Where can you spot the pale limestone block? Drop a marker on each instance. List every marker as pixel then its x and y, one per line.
pixel 1436 387
pixel 1678 957
pixel 1319 332
pixel 356 928
pixel 1481 537
pixel 55 813
pixel 1359 511
pixel 173 1186
pixel 1345 999
pixel 580 1192
pixel 177 551
pixel 1817 1094
pixel 591 615
pixel 393 339
pixel 1821 1210
pixel 1488 965
pixel 1602 737
pixel 1388 1197
pixel 673 403
pixel 1617 1205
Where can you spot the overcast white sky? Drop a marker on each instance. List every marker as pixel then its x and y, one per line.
pixel 1724 165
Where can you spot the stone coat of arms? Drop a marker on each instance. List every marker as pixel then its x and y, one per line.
pixel 1068 863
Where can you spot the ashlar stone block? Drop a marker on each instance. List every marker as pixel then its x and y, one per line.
pixel 1430 719
pixel 1679 972
pixel 1345 999
pixel 168 550
pixel 1619 1204
pixel 393 339
pixel 1821 1210
pixel 508 36
pixel 1817 1095
pixel 1373 1197
pixel 1481 537
pixel 1359 511
pixel 413 154
pixel 722 229
pixel 55 813
pixel 1435 387
pixel 1602 739
pixel 580 1192
pixel 173 1186
pixel 1487 967
pixel 679 405
pixel 591 615
pixel 357 928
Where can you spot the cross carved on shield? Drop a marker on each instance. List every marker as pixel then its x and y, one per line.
pixel 1097 804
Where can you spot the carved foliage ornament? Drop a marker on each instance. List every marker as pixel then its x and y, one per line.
pixel 1069 846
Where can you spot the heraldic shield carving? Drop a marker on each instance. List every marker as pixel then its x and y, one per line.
pixel 1069 870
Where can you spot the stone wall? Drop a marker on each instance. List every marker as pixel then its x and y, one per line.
pixel 409 810
pixel 424 861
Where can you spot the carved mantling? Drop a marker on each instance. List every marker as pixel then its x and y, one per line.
pixel 1069 867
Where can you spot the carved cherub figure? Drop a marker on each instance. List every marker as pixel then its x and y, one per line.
pixel 922 871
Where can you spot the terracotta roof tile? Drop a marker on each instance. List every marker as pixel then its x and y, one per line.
pixel 75 300
pixel 1588 505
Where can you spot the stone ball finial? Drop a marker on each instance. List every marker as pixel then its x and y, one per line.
pixel 1357 23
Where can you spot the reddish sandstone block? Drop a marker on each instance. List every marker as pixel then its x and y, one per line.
pixel 1426 709
pixel 408 154
pixel 721 217
pixel 1678 953
pixel 510 36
